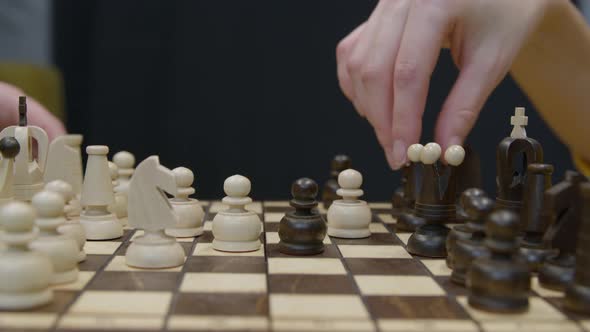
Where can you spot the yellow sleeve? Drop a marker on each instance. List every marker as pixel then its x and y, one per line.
pixel 582 165
pixel 42 83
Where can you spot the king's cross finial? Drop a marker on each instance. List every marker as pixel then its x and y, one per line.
pixel 519 121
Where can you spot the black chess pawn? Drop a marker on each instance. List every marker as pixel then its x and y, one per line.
pixel 407 220
pixel 470 171
pixel 561 209
pixel 339 163
pixel 533 248
pixel 436 201
pixel 577 293
pixel 466 250
pixel 499 282
pixel 461 230
pixel 398 198
pixel 302 231
pixel 513 155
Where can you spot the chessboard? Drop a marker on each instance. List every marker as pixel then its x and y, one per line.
pixel 370 284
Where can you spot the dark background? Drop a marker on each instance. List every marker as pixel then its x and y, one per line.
pixel 248 87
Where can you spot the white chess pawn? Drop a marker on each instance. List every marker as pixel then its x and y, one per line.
pixel 125 161
pixel 119 208
pixel 188 210
pixel 150 210
pixel 26 275
pixel 236 229
pixel 61 249
pixel 349 217
pixel 71 227
pixel 97 195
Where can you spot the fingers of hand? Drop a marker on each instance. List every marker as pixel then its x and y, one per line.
pixel 426 29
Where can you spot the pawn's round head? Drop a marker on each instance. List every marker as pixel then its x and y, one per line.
pixel 113 170
pixel 503 225
pixel 430 153
pixel 479 207
pixel 237 186
pixel 61 187
pixel 414 152
pixel 184 177
pixel 124 159
pixel 455 155
pixel 17 217
pixel 48 204
pixel 304 189
pixel 350 179
pixel 341 162
pixel 9 147
pixel 468 194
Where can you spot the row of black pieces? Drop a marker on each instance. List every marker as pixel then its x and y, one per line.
pixel 491 256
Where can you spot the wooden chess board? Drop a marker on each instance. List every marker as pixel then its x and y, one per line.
pixel 355 285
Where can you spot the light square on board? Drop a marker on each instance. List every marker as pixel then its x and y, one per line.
pixel 369 251
pixel 317 306
pixel 376 227
pixel 387 218
pixel 437 267
pixel 101 247
pixel 403 237
pixel 206 249
pixel 27 320
pixel 118 263
pixel 431 325
pixel 140 232
pixel 208 226
pixel 305 265
pixel 273 238
pixel 510 326
pixel 398 285
pixel 224 283
pixel 110 322
pixel 321 325
pixel 539 310
pixel 380 205
pixel 273 216
pixel 122 303
pixel 215 323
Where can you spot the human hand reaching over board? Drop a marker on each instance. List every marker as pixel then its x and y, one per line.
pixel 385 64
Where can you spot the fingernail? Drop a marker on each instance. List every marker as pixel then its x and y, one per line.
pixel 398 154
